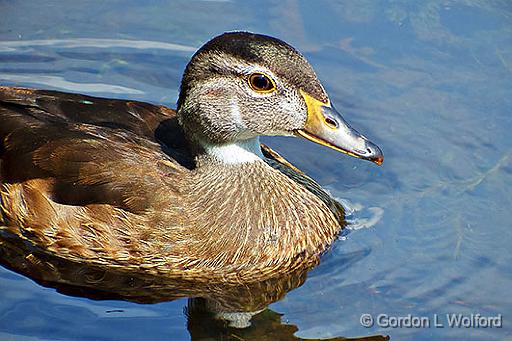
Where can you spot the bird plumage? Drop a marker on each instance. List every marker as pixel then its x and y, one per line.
pixel 135 186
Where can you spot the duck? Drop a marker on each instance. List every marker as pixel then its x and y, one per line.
pixel 189 193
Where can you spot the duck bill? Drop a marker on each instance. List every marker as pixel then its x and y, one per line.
pixel 327 127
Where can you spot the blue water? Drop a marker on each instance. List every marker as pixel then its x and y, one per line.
pixel 429 81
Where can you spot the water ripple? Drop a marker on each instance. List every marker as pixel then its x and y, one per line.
pixel 354 211
pixel 61 83
pixel 9 46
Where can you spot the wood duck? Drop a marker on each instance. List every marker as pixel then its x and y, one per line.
pixel 189 193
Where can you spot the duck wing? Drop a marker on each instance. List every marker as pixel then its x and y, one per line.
pixel 137 117
pixel 70 163
pixel 95 150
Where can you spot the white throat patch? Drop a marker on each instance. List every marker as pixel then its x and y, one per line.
pixel 234 153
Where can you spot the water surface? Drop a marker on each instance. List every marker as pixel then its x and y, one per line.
pixel 429 81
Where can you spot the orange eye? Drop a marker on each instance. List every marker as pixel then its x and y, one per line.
pixel 261 83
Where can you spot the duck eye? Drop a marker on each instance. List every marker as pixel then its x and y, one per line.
pixel 261 83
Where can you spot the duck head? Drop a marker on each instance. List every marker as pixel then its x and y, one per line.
pixel 240 86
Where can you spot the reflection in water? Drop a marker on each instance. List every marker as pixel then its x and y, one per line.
pixel 267 325
pixel 215 310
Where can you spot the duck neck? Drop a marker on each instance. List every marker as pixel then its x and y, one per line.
pixel 234 153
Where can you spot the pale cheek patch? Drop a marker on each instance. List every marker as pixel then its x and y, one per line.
pixel 236 116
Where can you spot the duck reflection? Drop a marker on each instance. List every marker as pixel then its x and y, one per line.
pixel 214 311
